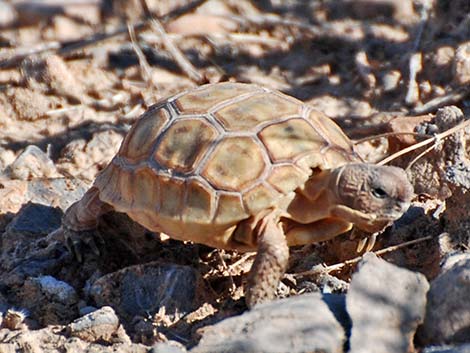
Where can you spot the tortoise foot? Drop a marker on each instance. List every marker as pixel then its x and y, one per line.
pixel 270 263
pixel 79 243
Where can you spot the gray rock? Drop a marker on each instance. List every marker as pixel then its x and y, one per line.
pixel 48 300
pixel 32 163
pixel 297 324
pixel 386 304
pixel 144 289
pixel 35 220
pixel 100 325
pixel 166 347
pixel 448 349
pixel 448 309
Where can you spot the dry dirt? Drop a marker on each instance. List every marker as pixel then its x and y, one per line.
pixel 75 75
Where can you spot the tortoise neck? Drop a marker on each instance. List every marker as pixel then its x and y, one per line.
pixel 321 181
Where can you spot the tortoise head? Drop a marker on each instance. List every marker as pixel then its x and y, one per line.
pixel 370 196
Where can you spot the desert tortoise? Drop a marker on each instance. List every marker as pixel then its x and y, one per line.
pixel 238 166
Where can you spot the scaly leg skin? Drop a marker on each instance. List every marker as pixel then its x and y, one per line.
pixel 270 262
pixel 80 224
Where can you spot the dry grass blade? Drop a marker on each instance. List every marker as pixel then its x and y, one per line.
pixel 451 98
pixel 62 48
pixel 340 265
pixel 434 140
pixel 387 134
pixel 144 65
pixel 179 57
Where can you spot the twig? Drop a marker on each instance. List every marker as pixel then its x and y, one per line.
pixel 412 95
pixel 244 258
pixel 434 140
pixel 144 65
pixel 242 38
pixel 339 266
pixel 22 53
pixel 271 20
pixel 419 156
pixel 62 48
pixel 415 65
pixel 364 69
pixel 179 57
pixel 438 102
pixel 387 134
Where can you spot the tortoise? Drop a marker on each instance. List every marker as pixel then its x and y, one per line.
pixel 241 167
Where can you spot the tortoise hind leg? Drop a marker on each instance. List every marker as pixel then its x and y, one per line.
pixel 270 262
pixel 80 223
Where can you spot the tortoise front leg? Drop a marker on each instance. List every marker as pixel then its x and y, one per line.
pixel 270 262
pixel 80 222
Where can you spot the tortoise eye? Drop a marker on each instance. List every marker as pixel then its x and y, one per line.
pixel 379 193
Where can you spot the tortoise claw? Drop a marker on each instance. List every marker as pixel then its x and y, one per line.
pixel 361 244
pixel 367 243
pixel 79 242
pixel 371 243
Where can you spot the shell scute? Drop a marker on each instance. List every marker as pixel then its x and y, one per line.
pixel 286 178
pixel 140 139
pixel 229 208
pixel 329 130
pixel 171 193
pixel 199 203
pixel 147 191
pixel 236 163
pixel 184 144
pixel 260 198
pixel 201 100
pixel 246 115
pixel 289 139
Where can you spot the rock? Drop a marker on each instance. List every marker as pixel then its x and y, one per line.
pixel 86 159
pixel 52 75
pixel 448 349
pixel 49 300
pixel 166 347
pixel 32 163
pixel 31 105
pixel 462 64
pixel 298 324
pixel 401 11
pixel 50 340
pixel 386 304
pixel 8 14
pixel 100 325
pixel 448 309
pixel 59 192
pixel 35 220
pixel 144 289
pixel 30 248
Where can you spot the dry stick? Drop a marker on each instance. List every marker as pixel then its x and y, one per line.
pixel 64 47
pixel 387 134
pixel 435 139
pixel 144 65
pixel 435 103
pixel 359 258
pixel 270 20
pixel 22 53
pixel 415 65
pixel 412 95
pixel 419 156
pixel 179 57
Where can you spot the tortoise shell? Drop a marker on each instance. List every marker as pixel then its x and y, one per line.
pixel 198 163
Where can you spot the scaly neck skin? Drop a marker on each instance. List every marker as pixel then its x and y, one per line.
pixel 313 202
